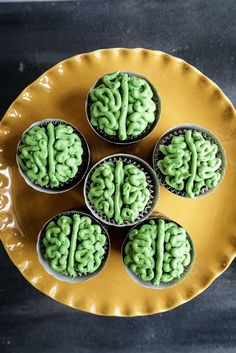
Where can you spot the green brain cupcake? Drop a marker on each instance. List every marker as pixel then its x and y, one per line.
pixel 158 253
pixel 53 156
pixel 189 161
pixel 121 190
pixel 123 107
pixel 73 246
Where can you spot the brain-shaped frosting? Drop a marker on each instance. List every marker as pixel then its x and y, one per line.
pixel 51 155
pixel 119 191
pixel 74 245
pixel 158 252
pixel 122 105
pixel 191 163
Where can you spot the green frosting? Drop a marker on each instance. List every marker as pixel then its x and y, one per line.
pixel 119 191
pixel 50 156
pixel 122 105
pixel 73 242
pixel 90 250
pixel 158 252
pixel 190 163
pixel 73 245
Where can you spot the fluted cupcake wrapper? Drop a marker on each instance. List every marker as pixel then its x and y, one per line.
pixel 151 178
pixel 81 277
pixel 131 139
pixel 166 139
pixel 82 169
pixel 147 284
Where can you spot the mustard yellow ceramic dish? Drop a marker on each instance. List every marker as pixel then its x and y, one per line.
pixel 187 96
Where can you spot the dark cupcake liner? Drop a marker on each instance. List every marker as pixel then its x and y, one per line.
pixel 156 216
pixel 71 183
pixel 81 277
pixel 153 186
pixel 166 139
pixel 130 139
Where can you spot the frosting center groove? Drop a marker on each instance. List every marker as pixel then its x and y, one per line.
pixel 160 237
pixel 73 242
pixel 124 107
pixel 193 162
pixel 119 181
pixel 51 161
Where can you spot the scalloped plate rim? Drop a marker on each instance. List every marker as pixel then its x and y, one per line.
pixel 231 254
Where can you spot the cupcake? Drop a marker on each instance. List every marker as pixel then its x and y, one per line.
pixel 189 161
pixel 123 107
pixel 53 156
pixel 73 246
pixel 121 190
pixel 158 252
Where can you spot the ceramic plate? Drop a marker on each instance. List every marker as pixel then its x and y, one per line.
pixel 187 97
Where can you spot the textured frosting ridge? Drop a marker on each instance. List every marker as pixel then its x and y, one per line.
pixel 50 155
pixel 122 105
pixel 74 245
pixel 119 191
pixel 190 163
pixel 158 252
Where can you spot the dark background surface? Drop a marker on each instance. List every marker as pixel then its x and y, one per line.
pixel 33 37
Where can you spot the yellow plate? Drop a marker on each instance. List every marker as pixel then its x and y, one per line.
pixel 187 97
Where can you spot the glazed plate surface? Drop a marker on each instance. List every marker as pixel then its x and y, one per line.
pixel 187 97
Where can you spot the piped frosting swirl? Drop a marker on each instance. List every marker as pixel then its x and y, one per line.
pixel 190 163
pixel 119 191
pixel 158 252
pixel 73 245
pixel 122 105
pixel 51 155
